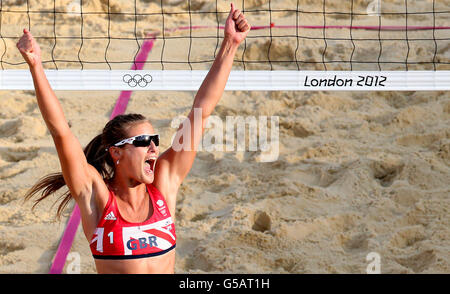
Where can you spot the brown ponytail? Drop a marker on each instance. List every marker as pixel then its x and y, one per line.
pixel 96 155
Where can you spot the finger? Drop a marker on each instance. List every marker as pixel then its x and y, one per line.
pixel 24 44
pixel 240 19
pixel 236 14
pixel 22 51
pixel 240 25
pixel 243 27
pixel 28 35
pixel 23 47
pixel 24 40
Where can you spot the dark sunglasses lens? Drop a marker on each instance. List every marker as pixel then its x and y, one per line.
pixel 156 140
pixel 145 141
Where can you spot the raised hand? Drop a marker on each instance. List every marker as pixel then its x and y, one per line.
pixel 29 48
pixel 236 26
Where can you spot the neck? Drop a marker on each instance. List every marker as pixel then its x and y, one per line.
pixel 128 191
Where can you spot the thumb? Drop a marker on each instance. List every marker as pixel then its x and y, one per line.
pixel 231 10
pixel 27 32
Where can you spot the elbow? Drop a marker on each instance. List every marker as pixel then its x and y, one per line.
pixel 60 136
pixel 199 112
pixel 57 135
pixel 58 131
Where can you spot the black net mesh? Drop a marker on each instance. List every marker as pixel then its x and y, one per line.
pixel 286 35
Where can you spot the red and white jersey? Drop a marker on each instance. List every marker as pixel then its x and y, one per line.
pixel 116 238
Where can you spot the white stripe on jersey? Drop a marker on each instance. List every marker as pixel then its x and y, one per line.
pixel 99 238
pixel 137 232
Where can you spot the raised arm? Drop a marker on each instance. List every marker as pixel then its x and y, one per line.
pixel 48 103
pixel 211 90
pixel 78 174
pixel 177 161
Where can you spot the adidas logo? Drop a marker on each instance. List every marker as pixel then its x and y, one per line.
pixel 110 216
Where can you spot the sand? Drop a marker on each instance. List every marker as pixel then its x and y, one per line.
pixel 357 172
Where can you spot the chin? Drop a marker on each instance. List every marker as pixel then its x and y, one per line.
pixel 148 179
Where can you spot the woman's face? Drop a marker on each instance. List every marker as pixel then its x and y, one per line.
pixel 138 163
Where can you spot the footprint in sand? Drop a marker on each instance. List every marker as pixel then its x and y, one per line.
pixel 418 262
pixel 358 242
pixel 387 170
pixel 25 127
pixel 18 154
pixel 10 157
pixel 8 247
pixel 408 236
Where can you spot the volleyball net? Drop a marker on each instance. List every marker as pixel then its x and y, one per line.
pixel 170 44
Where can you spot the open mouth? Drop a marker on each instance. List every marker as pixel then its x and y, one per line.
pixel 149 165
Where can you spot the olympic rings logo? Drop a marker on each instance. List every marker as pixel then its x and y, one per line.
pixel 137 80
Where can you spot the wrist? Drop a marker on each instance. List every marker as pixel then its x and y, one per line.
pixel 230 45
pixel 36 66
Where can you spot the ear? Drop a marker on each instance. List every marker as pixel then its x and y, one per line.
pixel 115 152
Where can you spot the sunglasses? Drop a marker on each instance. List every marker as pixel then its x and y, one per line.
pixel 140 140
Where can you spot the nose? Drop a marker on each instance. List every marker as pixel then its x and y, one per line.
pixel 152 148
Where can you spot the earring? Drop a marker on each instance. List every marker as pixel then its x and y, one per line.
pixel 117 162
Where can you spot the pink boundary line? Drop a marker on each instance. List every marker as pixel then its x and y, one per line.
pixel 72 225
pixel 374 28
pixel 272 25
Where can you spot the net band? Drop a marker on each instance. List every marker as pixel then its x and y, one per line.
pixel 185 80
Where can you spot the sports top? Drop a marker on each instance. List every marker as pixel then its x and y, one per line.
pixel 116 238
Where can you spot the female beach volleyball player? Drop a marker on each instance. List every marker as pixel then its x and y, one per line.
pixel 125 189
